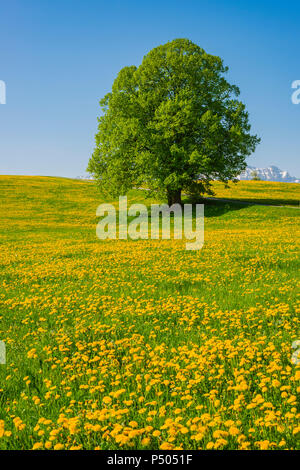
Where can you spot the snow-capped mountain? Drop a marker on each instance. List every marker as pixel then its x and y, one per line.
pixel 84 177
pixel 272 173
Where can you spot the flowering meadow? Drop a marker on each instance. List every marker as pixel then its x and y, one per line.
pixel 142 344
pixel 260 191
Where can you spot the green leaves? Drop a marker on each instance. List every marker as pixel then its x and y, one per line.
pixel 173 118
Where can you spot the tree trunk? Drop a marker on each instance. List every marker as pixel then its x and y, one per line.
pixel 174 197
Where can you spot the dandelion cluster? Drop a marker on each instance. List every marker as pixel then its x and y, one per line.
pixel 142 344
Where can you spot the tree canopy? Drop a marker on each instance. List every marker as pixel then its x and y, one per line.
pixel 172 124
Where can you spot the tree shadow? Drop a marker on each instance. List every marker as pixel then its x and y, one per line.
pixel 214 208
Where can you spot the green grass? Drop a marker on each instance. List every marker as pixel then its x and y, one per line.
pixel 261 192
pixel 83 318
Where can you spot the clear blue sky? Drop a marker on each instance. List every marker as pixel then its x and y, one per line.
pixel 59 57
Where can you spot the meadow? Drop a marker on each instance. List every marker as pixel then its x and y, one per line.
pixel 262 192
pixel 143 344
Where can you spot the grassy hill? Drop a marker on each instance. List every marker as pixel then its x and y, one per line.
pixel 263 192
pixel 143 344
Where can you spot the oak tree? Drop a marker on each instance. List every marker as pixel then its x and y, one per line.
pixel 173 124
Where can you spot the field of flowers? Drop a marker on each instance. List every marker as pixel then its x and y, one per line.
pixel 260 191
pixel 143 344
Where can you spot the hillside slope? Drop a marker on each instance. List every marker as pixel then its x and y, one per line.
pixel 143 344
pixel 266 192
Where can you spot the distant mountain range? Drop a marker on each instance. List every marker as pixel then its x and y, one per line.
pixel 84 177
pixel 272 173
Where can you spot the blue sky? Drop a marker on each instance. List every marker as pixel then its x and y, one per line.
pixel 59 57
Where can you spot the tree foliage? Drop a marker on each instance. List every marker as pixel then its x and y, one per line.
pixel 172 124
pixel 255 176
